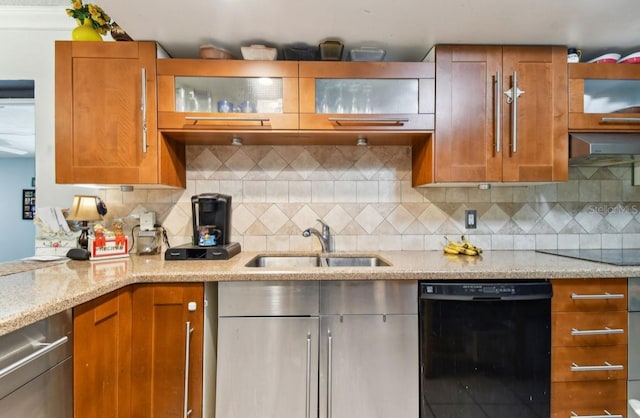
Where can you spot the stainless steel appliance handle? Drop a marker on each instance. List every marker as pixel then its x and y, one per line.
pixel 366 121
pixel 186 411
pixel 46 347
pixel 619 120
pixel 604 331
pixel 308 391
pixel 607 367
pixel 143 109
pixel 605 295
pixel 329 376
pixel 498 111
pixel 607 415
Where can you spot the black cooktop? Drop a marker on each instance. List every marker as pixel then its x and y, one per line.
pixel 618 257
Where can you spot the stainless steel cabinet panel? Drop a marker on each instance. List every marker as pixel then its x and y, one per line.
pixel 633 392
pixel 634 346
pixel 267 367
pixel 369 366
pixel 369 297
pixel 268 298
pixel 634 294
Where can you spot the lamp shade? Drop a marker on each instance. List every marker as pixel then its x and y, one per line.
pixel 84 208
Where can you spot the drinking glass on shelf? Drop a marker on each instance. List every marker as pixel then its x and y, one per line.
pixel 339 105
pixel 192 101
pixel 180 99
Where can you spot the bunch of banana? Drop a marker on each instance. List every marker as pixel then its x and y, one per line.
pixel 464 247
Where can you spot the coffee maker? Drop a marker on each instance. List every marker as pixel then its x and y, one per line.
pixel 211 209
pixel 209 212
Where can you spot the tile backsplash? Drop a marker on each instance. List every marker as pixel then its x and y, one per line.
pixel 365 195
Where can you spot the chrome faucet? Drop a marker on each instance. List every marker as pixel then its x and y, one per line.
pixel 325 237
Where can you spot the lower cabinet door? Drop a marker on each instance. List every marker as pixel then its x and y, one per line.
pixel 102 357
pixel 369 366
pixel 167 350
pixel 267 367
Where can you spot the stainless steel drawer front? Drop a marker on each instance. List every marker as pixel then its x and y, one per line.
pixel 36 369
pixel 266 298
pixel 369 297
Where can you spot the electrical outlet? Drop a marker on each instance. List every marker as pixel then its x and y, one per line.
pixel 470 219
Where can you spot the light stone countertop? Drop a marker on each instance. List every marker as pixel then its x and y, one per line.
pixel 33 295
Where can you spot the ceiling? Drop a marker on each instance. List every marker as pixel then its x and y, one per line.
pixel 406 29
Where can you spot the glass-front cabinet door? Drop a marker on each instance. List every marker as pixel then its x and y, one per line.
pixel 366 95
pixel 604 97
pixel 227 94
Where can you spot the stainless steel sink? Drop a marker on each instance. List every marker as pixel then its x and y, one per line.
pixel 284 261
pixel 355 261
pixel 275 261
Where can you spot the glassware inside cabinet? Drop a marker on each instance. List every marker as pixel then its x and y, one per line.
pixel 366 96
pixel 611 96
pixel 228 94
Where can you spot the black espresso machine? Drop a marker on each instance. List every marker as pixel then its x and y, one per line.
pixel 211 221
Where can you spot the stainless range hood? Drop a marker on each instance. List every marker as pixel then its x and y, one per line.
pixel 603 149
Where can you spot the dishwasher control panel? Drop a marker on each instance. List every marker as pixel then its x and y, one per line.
pixel 479 290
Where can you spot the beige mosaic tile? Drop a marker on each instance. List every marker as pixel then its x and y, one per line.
pixel 365 195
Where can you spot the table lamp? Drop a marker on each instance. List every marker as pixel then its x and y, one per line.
pixel 84 209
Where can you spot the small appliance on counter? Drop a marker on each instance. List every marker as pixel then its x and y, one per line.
pixel 211 221
pixel 149 239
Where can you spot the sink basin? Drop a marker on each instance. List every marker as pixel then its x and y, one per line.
pixel 275 261
pixel 284 261
pixel 355 261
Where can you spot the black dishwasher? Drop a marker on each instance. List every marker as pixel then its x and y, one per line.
pixel 485 349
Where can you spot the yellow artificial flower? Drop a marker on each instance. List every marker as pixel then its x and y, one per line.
pixel 98 18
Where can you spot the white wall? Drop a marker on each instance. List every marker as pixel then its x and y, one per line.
pixel 16 239
pixel 27 48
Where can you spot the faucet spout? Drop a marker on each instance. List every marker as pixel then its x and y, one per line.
pixel 324 237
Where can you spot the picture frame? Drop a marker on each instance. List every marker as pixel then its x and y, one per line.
pixel 28 204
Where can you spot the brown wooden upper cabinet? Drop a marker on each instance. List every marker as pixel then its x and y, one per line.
pixel 604 97
pixel 366 96
pixel 231 96
pixel 106 129
pixel 501 116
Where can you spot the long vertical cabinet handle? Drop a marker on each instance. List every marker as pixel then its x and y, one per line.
pixel 329 376
pixel 514 114
pixel 497 119
pixel 187 352
pixel 143 109
pixel 308 392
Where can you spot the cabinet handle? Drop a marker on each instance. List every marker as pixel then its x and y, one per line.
pixel 604 331
pixel 188 331
pixel 620 120
pixel 607 414
pixel 512 98
pixel 368 121
pixel 143 109
pixel 308 392
pixel 607 367
pixel 497 120
pixel 605 295
pixel 329 376
pixel 46 347
pixel 197 119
